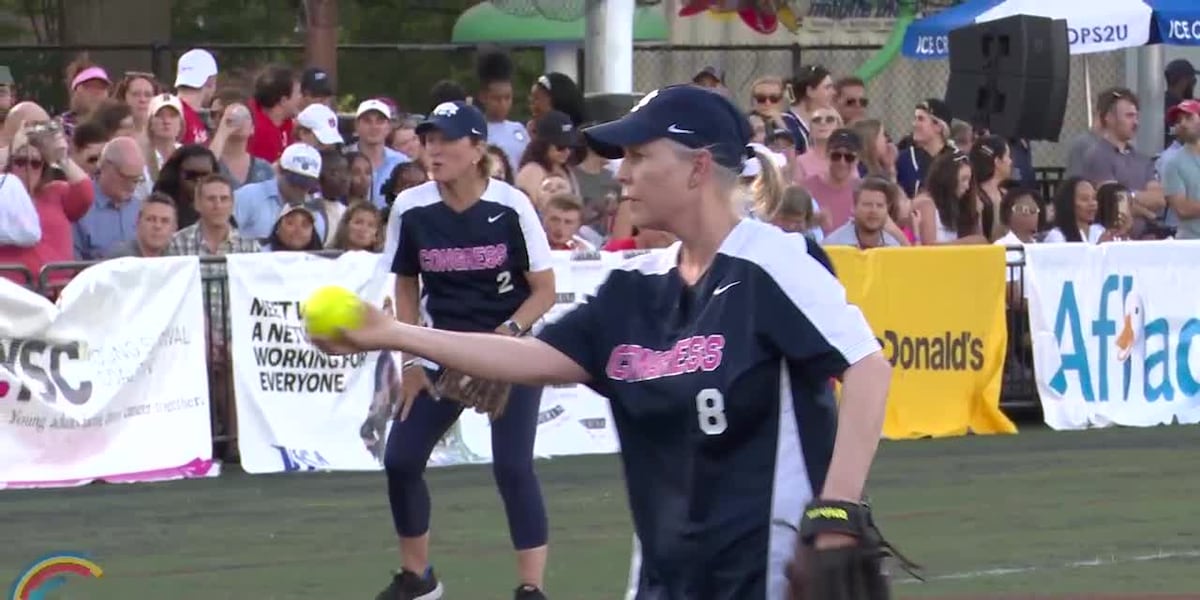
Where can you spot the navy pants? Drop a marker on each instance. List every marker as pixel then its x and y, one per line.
pixel 412 441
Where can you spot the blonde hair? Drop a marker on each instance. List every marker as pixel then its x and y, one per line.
pixel 341 239
pixel 767 188
pixel 868 131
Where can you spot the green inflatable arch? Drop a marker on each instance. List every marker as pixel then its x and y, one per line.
pixel 877 63
pixel 485 24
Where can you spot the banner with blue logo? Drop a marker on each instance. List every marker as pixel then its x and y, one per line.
pixel 1092 25
pixel 1112 329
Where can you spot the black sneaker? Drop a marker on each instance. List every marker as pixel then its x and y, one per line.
pixel 528 592
pixel 407 585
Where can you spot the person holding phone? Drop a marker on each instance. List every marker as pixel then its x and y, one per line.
pixel 1114 212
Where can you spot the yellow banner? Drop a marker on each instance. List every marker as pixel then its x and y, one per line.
pixel 939 314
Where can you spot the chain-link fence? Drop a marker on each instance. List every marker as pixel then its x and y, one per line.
pixel 406 72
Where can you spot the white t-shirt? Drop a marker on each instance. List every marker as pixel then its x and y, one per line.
pixel 1011 257
pixel 1091 236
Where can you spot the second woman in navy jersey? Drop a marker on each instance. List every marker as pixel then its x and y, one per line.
pixel 469 255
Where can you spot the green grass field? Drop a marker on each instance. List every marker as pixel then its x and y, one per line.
pixel 1087 513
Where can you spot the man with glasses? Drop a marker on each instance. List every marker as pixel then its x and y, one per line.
pixel 851 99
pixel 834 189
pixel 257 206
pixel 114 213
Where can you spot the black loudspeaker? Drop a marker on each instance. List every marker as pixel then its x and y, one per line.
pixel 1011 76
pixel 601 108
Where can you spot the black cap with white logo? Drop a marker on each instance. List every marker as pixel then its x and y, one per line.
pixel 455 120
pixel 693 116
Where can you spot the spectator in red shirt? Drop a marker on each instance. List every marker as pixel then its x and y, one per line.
pixel 36 151
pixel 276 98
pixel 643 239
pixel 195 84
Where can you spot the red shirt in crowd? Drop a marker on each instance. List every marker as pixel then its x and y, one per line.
pixel 194 129
pixel 269 139
pixel 59 204
pixel 618 244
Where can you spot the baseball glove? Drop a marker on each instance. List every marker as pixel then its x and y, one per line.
pixel 849 573
pixel 486 397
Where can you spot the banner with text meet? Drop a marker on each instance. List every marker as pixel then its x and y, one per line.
pixel 939 315
pixel 1113 327
pixel 299 410
pixel 111 383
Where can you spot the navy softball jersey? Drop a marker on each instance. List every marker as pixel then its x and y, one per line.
pixel 472 264
pixel 721 398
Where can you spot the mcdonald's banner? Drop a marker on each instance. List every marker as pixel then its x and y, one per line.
pixel 939 314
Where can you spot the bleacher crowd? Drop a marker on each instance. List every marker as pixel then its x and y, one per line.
pixel 139 168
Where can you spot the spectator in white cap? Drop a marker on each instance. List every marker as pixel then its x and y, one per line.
pixel 372 124
pixel 163 131
pixel 317 126
pixel 229 143
pixel 294 231
pixel 297 180
pixel 195 84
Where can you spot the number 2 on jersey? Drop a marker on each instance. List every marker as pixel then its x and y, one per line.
pixel 504 282
pixel 710 408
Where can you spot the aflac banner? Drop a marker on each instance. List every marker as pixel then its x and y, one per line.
pixel 1113 326
pixel 111 384
pixel 939 315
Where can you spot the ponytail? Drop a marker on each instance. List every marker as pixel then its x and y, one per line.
pixel 767 188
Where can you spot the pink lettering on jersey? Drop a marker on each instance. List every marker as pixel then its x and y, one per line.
pixel 630 362
pixel 477 258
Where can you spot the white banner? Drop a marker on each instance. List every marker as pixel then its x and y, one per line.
pixel 111 384
pixel 1113 326
pixel 299 410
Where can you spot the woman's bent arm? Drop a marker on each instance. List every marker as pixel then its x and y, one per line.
pixel 524 360
pixel 860 423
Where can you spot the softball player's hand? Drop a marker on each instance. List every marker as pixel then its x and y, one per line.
pixel 413 381
pixel 370 336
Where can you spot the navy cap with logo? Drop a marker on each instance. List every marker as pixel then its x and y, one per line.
pixel 316 83
pixel 693 116
pixel 455 120
pixel 556 128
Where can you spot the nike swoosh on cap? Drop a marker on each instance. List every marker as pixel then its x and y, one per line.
pixel 673 128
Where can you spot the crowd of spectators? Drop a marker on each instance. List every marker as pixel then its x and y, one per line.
pixel 139 168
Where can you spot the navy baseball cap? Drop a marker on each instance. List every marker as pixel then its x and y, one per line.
pixel 693 116
pixel 455 120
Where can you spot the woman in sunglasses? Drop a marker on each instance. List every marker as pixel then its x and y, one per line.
pixel 816 160
pixel 179 175
pixel 36 152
